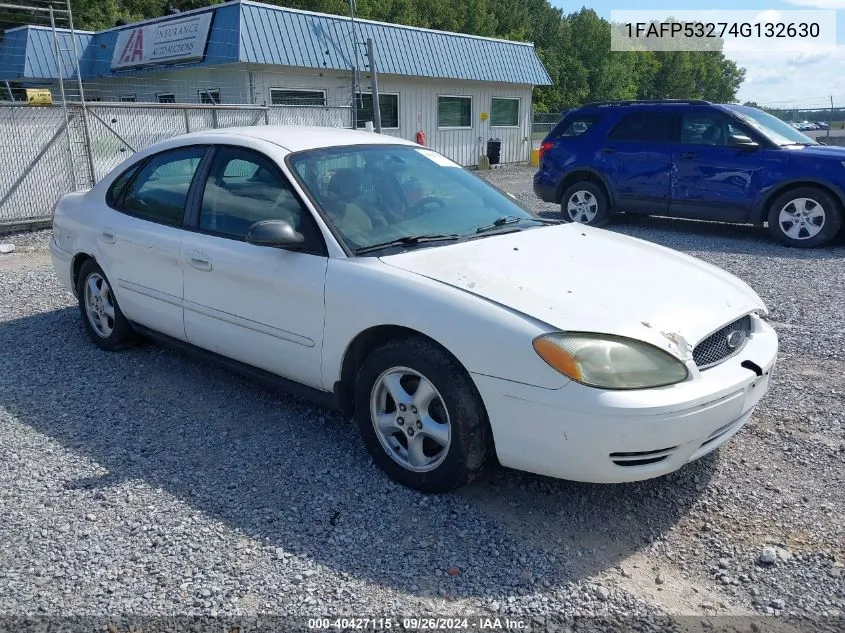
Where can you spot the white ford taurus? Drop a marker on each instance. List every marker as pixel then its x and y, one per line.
pixel 385 280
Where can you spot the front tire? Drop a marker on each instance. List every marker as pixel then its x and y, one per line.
pixel 805 217
pixel 585 202
pixel 101 314
pixel 421 417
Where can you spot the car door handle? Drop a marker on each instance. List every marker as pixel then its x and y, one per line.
pixel 608 150
pixel 199 260
pixel 108 237
pixel 688 155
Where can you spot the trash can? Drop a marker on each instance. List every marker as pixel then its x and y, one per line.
pixel 494 150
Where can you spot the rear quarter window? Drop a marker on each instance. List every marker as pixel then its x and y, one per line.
pixel 115 191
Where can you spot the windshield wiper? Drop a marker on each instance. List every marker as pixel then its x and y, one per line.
pixel 511 219
pixel 407 241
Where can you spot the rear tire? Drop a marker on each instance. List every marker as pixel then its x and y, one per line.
pixel 805 217
pixel 585 202
pixel 421 417
pixel 101 314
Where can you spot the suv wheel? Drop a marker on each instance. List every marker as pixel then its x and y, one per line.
pixel 586 203
pixel 805 217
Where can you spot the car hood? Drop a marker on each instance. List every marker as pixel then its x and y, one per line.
pixel 822 151
pixel 578 278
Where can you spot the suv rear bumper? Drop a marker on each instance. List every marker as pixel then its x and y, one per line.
pixel 545 189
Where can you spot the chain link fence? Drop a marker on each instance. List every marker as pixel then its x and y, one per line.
pixel 46 155
pixel 541 124
pixel 120 128
pixel 36 168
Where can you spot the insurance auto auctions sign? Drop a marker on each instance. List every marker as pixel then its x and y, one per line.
pixel 168 42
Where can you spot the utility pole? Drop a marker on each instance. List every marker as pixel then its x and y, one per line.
pixel 371 57
pixel 830 120
pixel 355 53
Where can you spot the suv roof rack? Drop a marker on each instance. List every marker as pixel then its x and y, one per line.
pixel 645 102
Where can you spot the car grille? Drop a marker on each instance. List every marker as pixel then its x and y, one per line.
pixel 723 344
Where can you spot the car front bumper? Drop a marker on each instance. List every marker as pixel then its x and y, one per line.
pixel 595 435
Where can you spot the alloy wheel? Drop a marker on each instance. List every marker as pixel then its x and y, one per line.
pixel 582 207
pixel 99 305
pixel 410 419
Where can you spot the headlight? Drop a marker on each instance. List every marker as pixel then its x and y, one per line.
pixel 609 362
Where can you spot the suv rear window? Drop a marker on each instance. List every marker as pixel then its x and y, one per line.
pixel 644 126
pixel 573 125
pixel 576 126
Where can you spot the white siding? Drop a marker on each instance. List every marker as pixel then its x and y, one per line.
pixel 418 112
pixel 418 100
pixel 233 85
pixel 338 85
pixel 418 109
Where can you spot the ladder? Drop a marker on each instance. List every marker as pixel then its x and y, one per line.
pixel 79 158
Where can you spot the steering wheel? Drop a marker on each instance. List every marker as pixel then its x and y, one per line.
pixel 419 206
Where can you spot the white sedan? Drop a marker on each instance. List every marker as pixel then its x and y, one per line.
pixel 383 279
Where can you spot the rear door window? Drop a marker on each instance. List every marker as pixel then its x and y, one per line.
pixel 651 127
pixel 160 191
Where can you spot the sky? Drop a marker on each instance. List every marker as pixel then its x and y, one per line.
pixel 790 79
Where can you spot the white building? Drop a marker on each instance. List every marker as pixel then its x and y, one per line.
pixel 460 91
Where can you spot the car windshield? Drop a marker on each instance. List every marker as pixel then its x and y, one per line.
pixel 772 127
pixel 376 194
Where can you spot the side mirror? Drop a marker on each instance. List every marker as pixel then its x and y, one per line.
pixel 274 233
pixel 742 141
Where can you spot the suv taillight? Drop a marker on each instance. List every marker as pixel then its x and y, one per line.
pixel 544 147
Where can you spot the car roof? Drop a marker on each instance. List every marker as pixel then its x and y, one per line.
pixel 295 138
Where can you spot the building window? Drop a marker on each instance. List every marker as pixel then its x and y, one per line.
pixel 209 97
pixel 166 97
pixel 504 112
pixel 15 92
pixel 454 112
pixel 388 106
pixel 128 98
pixel 295 97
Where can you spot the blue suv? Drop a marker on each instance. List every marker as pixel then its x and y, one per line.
pixel 693 159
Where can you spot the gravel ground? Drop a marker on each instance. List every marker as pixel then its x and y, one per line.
pixel 147 483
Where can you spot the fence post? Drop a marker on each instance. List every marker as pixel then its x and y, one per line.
pixel 266 116
pixel 187 121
